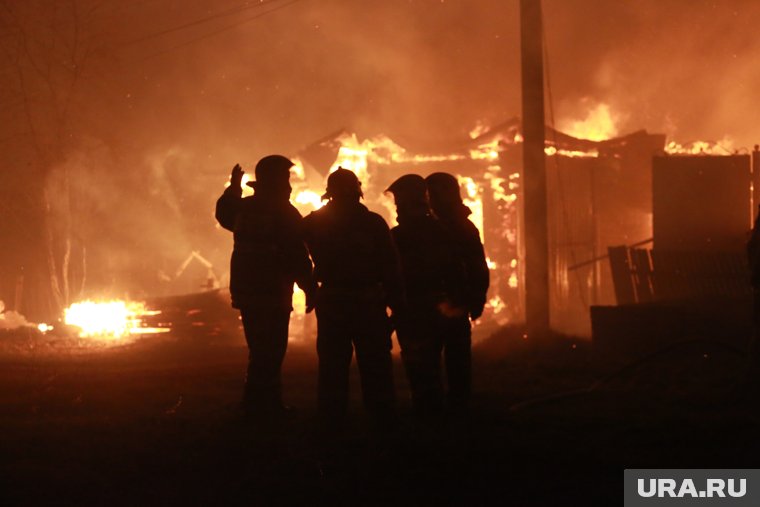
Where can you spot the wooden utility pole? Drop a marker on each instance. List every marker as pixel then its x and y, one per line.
pixel 534 169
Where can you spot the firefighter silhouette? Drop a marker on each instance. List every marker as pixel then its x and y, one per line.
pixel 434 274
pixel 468 295
pixel 357 268
pixel 269 255
pixel 752 375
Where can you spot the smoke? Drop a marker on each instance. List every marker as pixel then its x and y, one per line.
pixel 12 320
pixel 125 229
pixel 427 71
pixel 160 114
pixel 684 68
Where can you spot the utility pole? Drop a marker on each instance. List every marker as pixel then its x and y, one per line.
pixel 534 169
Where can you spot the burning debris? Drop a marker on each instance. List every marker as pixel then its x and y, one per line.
pixel 110 320
pixel 723 147
pixel 84 324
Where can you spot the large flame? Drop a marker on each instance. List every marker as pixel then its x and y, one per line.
pixel 473 200
pixel 111 320
pixel 308 198
pixel 598 125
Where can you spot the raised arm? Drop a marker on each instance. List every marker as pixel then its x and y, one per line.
pixel 228 204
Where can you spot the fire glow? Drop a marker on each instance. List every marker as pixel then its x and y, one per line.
pixel 110 320
pixel 598 125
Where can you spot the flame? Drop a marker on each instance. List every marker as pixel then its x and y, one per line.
pixel 473 200
pixel 111 320
pixel 421 159
pixel 308 198
pixel 552 150
pixel 497 305
pixel 499 184
pixel 299 301
pixel 297 171
pixel 723 147
pixel 355 155
pixel 488 151
pixel 479 129
pixel 598 125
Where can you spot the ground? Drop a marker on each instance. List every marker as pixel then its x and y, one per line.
pixel 156 422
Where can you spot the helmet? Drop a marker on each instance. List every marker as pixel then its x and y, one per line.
pixel 443 187
pixel 409 189
pixel 343 183
pixel 272 170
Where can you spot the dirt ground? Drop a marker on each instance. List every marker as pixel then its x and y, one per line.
pixel 156 423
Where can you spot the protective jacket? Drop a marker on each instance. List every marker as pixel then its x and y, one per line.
pixel 352 249
pixel 269 254
pixel 433 272
pixel 474 286
pixel 753 253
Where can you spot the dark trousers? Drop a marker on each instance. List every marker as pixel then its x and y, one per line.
pixel 457 351
pixel 424 336
pixel 266 331
pixel 421 340
pixel 347 322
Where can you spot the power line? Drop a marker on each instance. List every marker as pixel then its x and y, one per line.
pixel 234 10
pixel 219 31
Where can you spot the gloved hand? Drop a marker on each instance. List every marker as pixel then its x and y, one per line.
pixel 236 178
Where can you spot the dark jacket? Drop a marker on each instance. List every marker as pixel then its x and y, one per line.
pixel 753 253
pixel 352 249
pixel 433 272
pixel 269 253
pixel 468 246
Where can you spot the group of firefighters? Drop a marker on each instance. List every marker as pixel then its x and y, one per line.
pixel 430 271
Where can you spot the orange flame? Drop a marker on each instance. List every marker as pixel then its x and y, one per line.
pixel 598 125
pixel 110 320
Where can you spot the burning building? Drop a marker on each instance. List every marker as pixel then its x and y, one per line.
pixel 599 195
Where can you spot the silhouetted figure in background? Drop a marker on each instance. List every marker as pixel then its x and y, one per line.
pixel 433 273
pixel 753 257
pixel 356 265
pixel 469 298
pixel 268 257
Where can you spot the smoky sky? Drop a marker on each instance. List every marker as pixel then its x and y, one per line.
pixel 427 71
pixel 170 94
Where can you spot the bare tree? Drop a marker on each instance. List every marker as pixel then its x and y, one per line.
pixel 45 48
